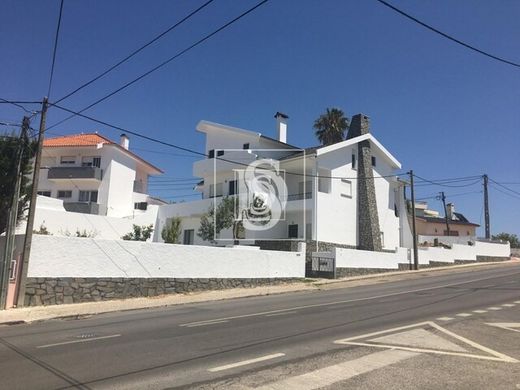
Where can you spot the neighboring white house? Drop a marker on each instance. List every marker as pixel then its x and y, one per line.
pixel 321 186
pixel 93 175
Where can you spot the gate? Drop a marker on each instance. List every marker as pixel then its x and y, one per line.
pixel 323 265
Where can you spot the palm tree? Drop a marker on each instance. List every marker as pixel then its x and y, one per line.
pixel 332 126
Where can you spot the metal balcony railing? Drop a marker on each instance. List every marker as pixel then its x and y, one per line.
pixel 304 195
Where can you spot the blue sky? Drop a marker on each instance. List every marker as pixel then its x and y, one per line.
pixel 441 109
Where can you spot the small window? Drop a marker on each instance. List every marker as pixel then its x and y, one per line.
pixel 220 152
pixel 188 237
pixel 293 231
pixel 65 194
pixel 353 161
pixel 91 161
pixel 324 181
pixel 215 190
pixel 68 160
pixel 88 196
pixel 346 188
pixel 233 187
pixel 211 153
pixel 140 206
pixel 382 239
pixel 373 161
pixel 246 146
pixel 396 210
pixel 44 193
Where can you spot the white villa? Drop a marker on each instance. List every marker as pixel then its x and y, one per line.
pixel 93 175
pixel 322 186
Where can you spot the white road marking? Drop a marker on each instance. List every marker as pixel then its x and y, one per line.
pixel 339 302
pixel 494 308
pixel 480 311
pixel 496 356
pixel 509 305
pixel 246 362
pixel 464 315
pixel 418 338
pixel 445 318
pixel 79 341
pixel 205 323
pixel 507 325
pixel 517 301
pixel 280 314
pixel 339 372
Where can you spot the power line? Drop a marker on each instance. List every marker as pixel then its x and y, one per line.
pixel 504 192
pixel 179 54
pixel 19 104
pixel 451 38
pixel 444 184
pixel 171 28
pixel 503 186
pixel 56 37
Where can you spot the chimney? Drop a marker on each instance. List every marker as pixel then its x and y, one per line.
pixel 281 126
pixel 359 125
pixel 125 141
pixel 450 211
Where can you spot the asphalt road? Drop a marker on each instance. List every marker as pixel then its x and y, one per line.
pixel 264 341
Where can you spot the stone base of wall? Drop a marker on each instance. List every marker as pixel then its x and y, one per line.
pixel 346 272
pixel 484 259
pixel 55 291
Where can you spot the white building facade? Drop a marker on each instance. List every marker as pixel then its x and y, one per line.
pixel 93 175
pixel 321 190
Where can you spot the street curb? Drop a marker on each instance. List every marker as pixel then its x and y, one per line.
pixel 304 285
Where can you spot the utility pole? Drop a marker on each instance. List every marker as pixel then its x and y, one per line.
pixel 20 293
pixel 443 198
pixel 414 228
pixel 486 207
pixel 10 233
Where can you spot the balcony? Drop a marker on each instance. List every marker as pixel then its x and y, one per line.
pixel 60 173
pixel 82 207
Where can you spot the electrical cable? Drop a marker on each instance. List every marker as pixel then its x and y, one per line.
pixel 56 38
pixel 451 38
pixel 119 63
pixel 179 54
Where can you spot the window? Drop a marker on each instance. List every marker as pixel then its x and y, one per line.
pixel 346 188
pixel 382 239
pixel 65 194
pixel 308 231
pixel 188 237
pixel 233 187
pixel 353 161
pixel 140 206
pixel 220 153
pixel 88 196
pixel 373 161
pixel 211 153
pixel 44 193
pixel 293 231
pixel 91 162
pixel 246 146
pixel 215 190
pixel 68 160
pixel 304 188
pixel 324 181
pixel 452 233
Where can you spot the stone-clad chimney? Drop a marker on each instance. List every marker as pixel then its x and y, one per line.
pixel 369 235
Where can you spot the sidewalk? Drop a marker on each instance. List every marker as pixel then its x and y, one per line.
pixel 78 310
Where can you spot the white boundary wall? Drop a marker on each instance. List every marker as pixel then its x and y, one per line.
pixel 91 258
pixel 353 258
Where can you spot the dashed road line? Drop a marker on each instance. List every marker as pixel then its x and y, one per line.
pixel 445 318
pixel 79 341
pixel 494 308
pixel 517 302
pixel 246 362
pixel 280 314
pixel 509 305
pixel 464 315
pixel 194 325
pixel 480 311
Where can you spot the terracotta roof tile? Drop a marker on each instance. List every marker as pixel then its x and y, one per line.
pixel 91 139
